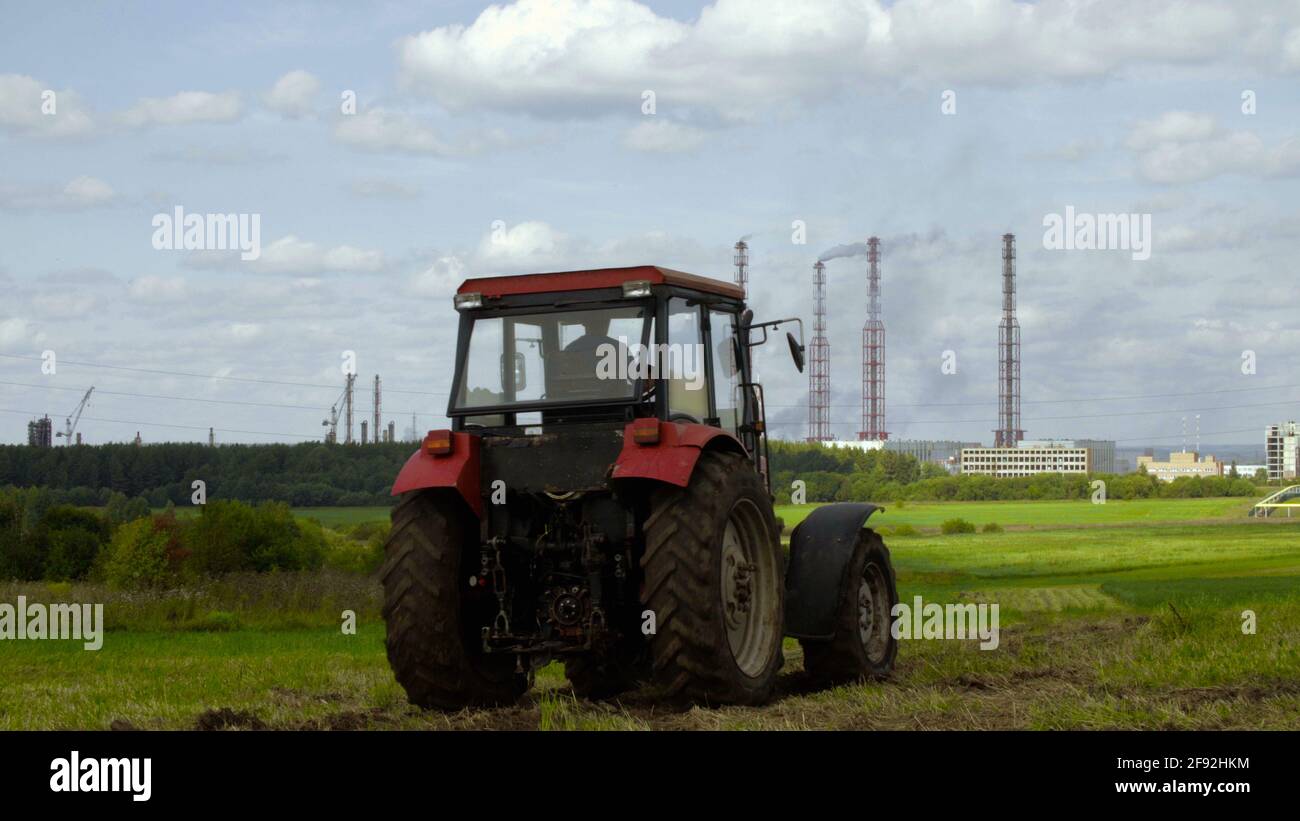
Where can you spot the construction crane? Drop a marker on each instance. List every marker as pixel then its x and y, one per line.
pixel 70 424
pixel 332 435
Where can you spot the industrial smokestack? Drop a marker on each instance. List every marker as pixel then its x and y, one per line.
pixel 1008 433
pixel 873 354
pixel 819 371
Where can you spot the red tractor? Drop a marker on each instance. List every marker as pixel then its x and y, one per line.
pixel 603 498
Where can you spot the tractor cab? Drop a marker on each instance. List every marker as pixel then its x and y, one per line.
pixel 542 352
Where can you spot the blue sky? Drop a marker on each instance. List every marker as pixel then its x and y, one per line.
pixel 529 115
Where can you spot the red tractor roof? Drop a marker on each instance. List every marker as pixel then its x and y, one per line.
pixel 596 278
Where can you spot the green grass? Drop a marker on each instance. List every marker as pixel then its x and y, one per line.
pixel 1134 625
pixel 1074 513
pixel 336 517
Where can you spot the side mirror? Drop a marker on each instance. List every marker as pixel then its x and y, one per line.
pixel 521 371
pixel 796 351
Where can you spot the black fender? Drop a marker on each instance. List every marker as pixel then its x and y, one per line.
pixel 821 548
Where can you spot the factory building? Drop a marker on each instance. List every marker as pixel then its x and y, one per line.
pixel 1028 459
pixel 1181 463
pixel 40 433
pixel 943 452
pixel 1103 455
pixel 1282 451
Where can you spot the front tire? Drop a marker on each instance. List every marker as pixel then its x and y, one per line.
pixel 714 579
pixel 433 640
pixel 863 646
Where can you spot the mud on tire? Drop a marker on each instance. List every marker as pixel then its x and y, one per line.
pixel 863 646
pixel 703 649
pixel 433 638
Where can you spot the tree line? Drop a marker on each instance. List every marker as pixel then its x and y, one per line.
pixel 311 474
pixel 320 475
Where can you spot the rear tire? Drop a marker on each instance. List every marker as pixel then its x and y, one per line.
pixel 433 640
pixel 714 579
pixel 863 646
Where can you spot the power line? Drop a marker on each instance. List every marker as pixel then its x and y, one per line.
pixel 1074 400
pixel 195 398
pixel 1160 412
pixel 172 425
pixel 208 376
pixel 1064 401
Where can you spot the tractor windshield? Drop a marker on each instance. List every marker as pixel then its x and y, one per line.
pixel 553 357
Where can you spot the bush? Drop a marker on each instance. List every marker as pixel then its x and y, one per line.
pixel 905 530
pixel 145 553
pixel 992 527
pixel 230 536
pixel 954 526
pixel 70 539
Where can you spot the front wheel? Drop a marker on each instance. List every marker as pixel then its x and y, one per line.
pixel 863 646
pixel 714 580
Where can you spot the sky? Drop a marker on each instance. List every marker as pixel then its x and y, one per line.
pixel 389 151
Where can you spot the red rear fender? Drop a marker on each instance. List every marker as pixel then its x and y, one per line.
pixel 673 458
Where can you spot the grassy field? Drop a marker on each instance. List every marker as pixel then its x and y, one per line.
pixel 932 514
pixel 1134 625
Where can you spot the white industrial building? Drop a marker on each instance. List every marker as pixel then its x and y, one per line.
pixel 1027 460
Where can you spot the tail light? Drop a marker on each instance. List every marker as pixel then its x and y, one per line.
pixel 645 431
pixel 438 442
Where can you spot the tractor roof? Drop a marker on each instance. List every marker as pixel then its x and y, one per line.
pixel 595 278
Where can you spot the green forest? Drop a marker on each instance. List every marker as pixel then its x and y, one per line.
pixel 323 475
pixel 311 474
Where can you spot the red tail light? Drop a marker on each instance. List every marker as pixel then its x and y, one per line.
pixel 645 431
pixel 438 442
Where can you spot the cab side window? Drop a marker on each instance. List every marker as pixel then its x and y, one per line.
pixel 681 366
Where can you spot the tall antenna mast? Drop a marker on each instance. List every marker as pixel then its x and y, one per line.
pixel 347 409
pixel 376 426
pixel 742 266
pixel 819 374
pixel 1009 432
pixel 873 354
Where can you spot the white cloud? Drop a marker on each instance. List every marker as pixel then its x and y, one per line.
pixel 375 188
pixel 290 255
pixel 525 245
pixel 441 278
pixel 741 57
pixel 1181 147
pixel 662 137
pixel 1171 127
pixel 158 290
pixel 293 94
pixel 184 108
pixel 379 129
pixel 242 332
pixel 14 333
pixel 78 194
pixel 22 112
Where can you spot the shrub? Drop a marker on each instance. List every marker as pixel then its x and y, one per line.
pixel 354 555
pixel 953 526
pixel 906 530
pixel 992 527
pixel 71 554
pixel 145 553
pixel 231 536
pixel 70 539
